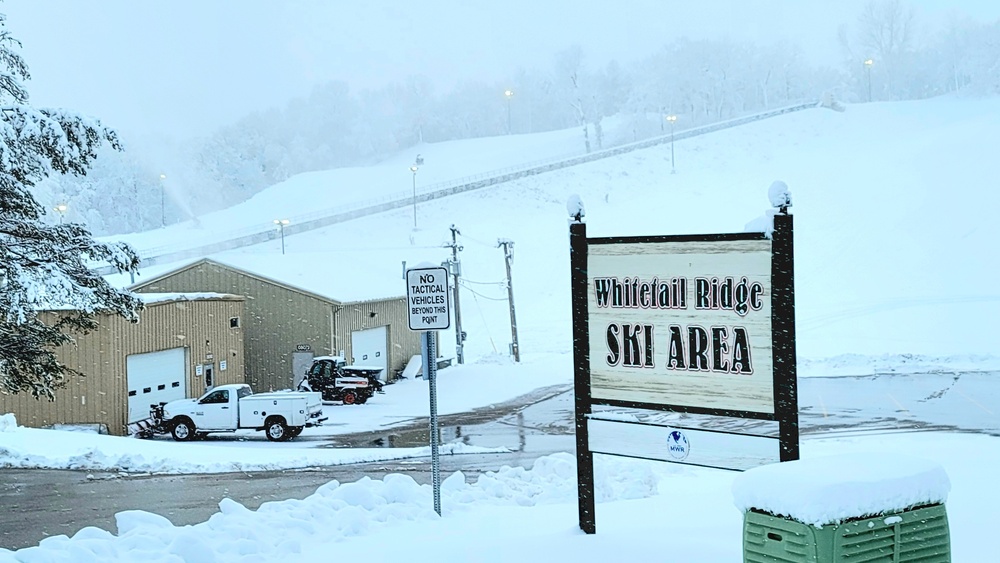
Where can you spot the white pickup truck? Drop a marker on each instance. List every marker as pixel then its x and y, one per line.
pixel 228 408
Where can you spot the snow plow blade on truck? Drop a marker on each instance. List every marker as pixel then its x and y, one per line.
pixel 281 415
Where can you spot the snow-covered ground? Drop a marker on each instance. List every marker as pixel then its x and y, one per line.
pixel 895 236
pixel 645 511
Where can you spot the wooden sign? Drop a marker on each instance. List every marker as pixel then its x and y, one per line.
pixel 685 323
pixel 701 324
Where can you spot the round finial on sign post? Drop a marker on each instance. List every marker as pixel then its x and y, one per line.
pixel 574 206
pixel 780 196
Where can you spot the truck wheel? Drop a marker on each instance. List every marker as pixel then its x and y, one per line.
pixel 294 431
pixel 276 430
pixel 183 430
pixel 350 397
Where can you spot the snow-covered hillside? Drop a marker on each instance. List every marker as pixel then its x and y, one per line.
pixel 894 207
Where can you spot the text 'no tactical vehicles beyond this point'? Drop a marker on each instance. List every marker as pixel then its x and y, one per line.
pixel 427 298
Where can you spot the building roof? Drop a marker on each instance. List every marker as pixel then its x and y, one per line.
pixel 314 276
pixel 158 298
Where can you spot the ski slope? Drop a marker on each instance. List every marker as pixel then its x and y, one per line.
pixel 894 203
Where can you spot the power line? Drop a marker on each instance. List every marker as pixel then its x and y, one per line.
pixel 379 248
pixel 474 292
pixel 485 324
pixel 467 280
pixel 477 241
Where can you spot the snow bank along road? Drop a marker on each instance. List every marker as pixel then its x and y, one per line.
pixel 40 503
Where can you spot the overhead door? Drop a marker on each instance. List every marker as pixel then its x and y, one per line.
pixel 152 378
pixel 301 362
pixel 368 348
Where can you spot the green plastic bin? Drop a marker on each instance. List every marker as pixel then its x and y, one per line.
pixel 916 535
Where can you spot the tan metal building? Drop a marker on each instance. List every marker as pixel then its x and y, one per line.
pixel 182 345
pixel 287 325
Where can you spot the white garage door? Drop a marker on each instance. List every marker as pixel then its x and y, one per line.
pixel 152 378
pixel 368 348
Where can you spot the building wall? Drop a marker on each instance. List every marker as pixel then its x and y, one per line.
pixel 403 343
pixel 100 395
pixel 277 319
pixel 202 326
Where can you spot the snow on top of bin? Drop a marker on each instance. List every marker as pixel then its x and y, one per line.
pixel 8 423
pixel 829 490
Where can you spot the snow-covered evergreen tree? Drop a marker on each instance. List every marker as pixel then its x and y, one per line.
pixel 46 266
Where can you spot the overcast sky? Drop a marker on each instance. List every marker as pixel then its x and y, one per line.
pixel 184 67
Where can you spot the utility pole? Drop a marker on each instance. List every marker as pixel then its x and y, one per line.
pixel 868 69
pixel 455 267
pixel 508 251
pixel 163 205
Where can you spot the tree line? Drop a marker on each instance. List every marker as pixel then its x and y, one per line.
pixel 885 57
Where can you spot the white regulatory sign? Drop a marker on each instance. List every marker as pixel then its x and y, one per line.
pixel 427 298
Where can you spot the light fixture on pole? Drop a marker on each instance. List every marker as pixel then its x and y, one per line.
pixel 508 93
pixel 281 227
pixel 868 69
pixel 414 169
pixel 163 208
pixel 61 210
pixel 672 119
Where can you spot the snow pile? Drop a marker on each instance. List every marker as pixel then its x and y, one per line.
pixel 828 490
pixel 552 479
pixel 7 422
pixel 334 512
pixel 763 224
pixel 779 195
pixel 55 449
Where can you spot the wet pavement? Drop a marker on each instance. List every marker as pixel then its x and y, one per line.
pixel 537 423
pixel 542 423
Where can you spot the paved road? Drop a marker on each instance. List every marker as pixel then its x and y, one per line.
pixel 38 503
pixel 35 504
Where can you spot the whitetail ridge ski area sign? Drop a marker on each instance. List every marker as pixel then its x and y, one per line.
pixel 682 323
pixel 696 324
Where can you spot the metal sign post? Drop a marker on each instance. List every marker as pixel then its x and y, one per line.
pixel 429 351
pixel 429 311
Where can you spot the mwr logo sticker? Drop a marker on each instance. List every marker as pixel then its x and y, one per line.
pixel 677 445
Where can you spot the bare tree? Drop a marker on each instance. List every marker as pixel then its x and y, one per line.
pixel 885 34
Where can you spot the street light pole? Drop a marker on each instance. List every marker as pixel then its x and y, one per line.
pixel 281 227
pixel 672 119
pixel 509 94
pixel 163 212
pixel 61 210
pixel 414 169
pixel 868 68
